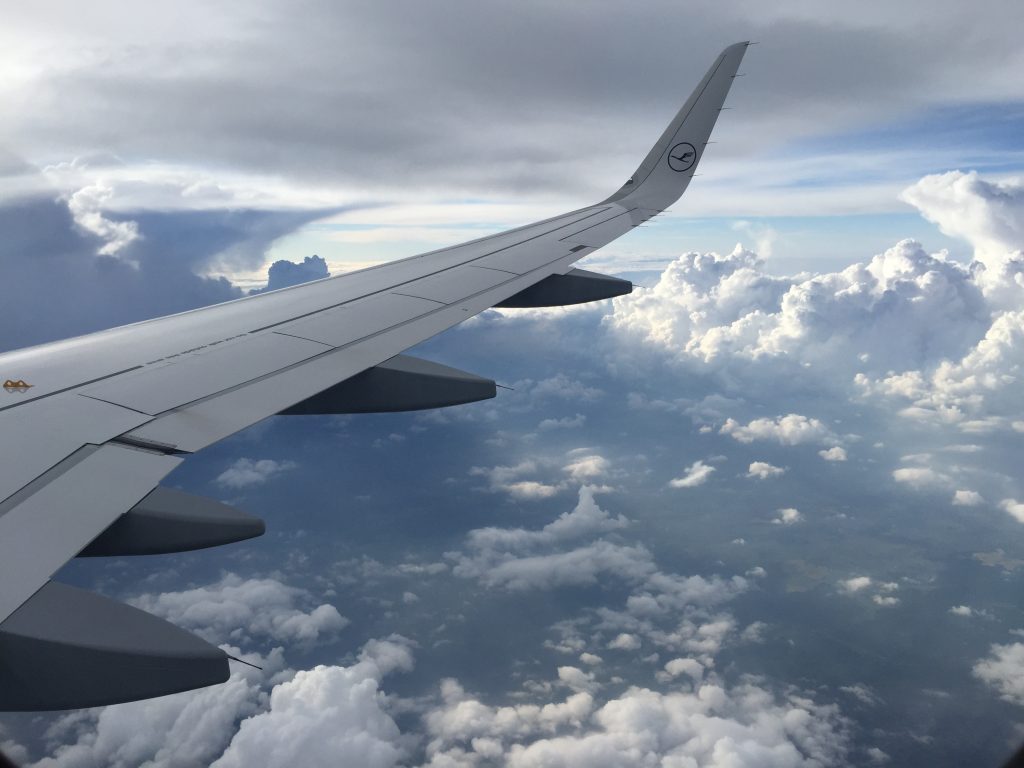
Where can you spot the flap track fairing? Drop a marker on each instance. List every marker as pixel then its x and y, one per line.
pixel 577 286
pixel 403 383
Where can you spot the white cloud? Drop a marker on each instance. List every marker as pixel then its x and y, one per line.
pixel 666 594
pixel 862 693
pixel 529 490
pixel 689 667
pixel 562 553
pixel 87 207
pixel 581 548
pixel 591 659
pixel 903 309
pixel 1003 670
pixel 246 473
pixel 988 214
pixel 972 391
pixel 236 610
pixel 762 470
pixel 190 728
pixel 855 584
pixel 543 478
pixel 920 477
pixel 710 725
pixel 835 453
pixel 509 479
pixel 325 712
pixel 788 516
pixel 461 718
pixel 566 422
pixel 885 600
pixel 962 610
pixel 585 520
pixel 578 680
pixel 964 498
pixel 792 429
pixel 625 641
pixel 696 474
pixel 1014 508
pixel 575 567
pixel 587 467
pixel 561 386
pixel 877 756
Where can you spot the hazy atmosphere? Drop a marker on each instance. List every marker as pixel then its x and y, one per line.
pixel 764 511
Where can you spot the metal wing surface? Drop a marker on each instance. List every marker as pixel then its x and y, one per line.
pixel 97 421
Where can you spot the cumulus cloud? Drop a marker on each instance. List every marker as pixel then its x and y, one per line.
pixel 578 680
pixel 855 584
pixel 965 498
pixel 920 477
pixel 696 474
pixel 283 273
pixel 519 480
pixel 566 422
pixel 862 693
pixel 510 480
pixel 579 566
pixel 247 473
pixel 903 309
pixel 792 429
pixel 237 610
pixel 877 756
pixel 788 516
pixel 564 552
pixel 587 466
pixel 562 387
pixel 624 641
pixel 1003 671
pixel 689 667
pixel 712 724
pixel 665 594
pixel 988 214
pixel 86 206
pixel 1014 508
pixel 575 550
pixel 191 728
pixel 286 718
pixel 835 453
pixel 962 610
pixel 762 470
pixel 328 711
pixel 678 613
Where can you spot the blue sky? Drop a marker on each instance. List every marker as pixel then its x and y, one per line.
pixel 858 173
pixel 766 509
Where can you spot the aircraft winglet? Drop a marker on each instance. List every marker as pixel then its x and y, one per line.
pixel 666 171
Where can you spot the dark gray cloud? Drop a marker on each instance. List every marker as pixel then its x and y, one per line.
pixel 471 98
pixel 283 273
pixel 56 283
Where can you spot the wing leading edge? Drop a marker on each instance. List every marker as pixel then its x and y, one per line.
pixel 110 414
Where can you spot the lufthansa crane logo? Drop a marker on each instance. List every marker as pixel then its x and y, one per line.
pixel 682 157
pixel 16 385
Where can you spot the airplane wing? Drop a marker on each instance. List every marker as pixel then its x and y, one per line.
pixel 94 423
